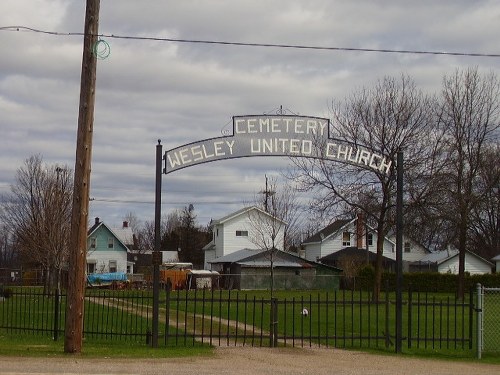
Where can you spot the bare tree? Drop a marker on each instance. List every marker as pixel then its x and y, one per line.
pixel 133 221
pixel 469 117
pixel 38 212
pixel 485 223
pixel 268 226
pixel 392 116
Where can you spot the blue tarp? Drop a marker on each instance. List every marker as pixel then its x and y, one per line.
pixel 105 278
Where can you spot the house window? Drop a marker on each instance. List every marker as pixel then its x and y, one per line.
pixel 241 233
pixel 407 247
pixel 370 239
pixel 111 243
pixel 93 242
pixel 112 266
pixel 346 239
pixel 91 266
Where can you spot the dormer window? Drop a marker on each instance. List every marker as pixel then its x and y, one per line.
pixel 407 247
pixel 346 239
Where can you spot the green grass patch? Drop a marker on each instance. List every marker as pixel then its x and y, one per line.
pixel 43 346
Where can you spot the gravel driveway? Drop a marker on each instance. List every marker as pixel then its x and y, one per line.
pixel 243 361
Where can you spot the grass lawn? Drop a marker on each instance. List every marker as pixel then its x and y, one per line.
pixel 43 346
pixel 116 323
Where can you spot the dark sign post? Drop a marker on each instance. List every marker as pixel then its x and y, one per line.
pixel 157 253
pixel 399 253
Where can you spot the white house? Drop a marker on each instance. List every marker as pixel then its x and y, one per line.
pixel 447 262
pixel 497 263
pixel 247 228
pixel 107 248
pixel 347 233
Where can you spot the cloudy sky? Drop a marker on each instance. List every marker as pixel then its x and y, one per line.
pixel 184 92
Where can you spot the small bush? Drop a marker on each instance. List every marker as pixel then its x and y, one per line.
pixel 6 293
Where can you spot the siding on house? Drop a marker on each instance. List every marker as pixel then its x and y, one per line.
pixel 102 256
pixel 497 263
pixel 331 240
pixel 225 239
pixel 473 265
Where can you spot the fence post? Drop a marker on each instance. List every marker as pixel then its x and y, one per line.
pixel 479 310
pixel 168 288
pixel 410 315
pixel 471 316
pixel 387 333
pixel 273 331
pixel 56 315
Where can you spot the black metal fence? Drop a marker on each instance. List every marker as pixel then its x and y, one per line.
pixel 343 319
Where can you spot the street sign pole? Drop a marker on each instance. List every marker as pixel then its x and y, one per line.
pixel 157 253
pixel 399 253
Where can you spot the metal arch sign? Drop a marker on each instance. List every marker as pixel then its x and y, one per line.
pixel 276 135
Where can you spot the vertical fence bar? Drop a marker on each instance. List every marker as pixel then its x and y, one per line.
pixel 168 289
pixel 194 314
pixel 203 316
pixel 253 320
pixel 185 317
pixel 479 289
pixel 293 322
pixel 327 313
pixel 228 316
pixel 211 316
pixel 335 318
pixel 387 334
pixel 471 315
pixel 426 321
pixel 440 324
pixel 56 315
pixel 245 317
pixel 275 322
pixel 237 317
pixel 410 316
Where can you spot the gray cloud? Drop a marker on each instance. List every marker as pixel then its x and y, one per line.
pixel 184 92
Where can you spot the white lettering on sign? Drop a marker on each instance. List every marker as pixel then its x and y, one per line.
pixel 352 155
pixel 286 125
pixel 282 146
pixel 276 135
pixel 199 153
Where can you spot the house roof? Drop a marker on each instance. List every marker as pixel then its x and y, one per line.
pixel 259 258
pixel 440 257
pixel 236 256
pixel 354 252
pixel 495 259
pixel 242 211
pixel 98 224
pixel 328 231
pixel 125 235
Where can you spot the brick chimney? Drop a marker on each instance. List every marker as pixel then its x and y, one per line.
pixel 96 220
pixel 360 230
pixel 125 224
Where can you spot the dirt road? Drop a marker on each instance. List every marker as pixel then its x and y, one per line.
pixel 246 361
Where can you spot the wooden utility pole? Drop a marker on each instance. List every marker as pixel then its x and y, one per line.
pixel 79 216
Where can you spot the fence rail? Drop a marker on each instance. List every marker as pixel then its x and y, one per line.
pixel 342 319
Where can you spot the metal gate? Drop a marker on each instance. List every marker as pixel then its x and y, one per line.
pixel 488 328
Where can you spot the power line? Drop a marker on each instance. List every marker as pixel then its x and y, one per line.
pixel 245 44
pixel 163 202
